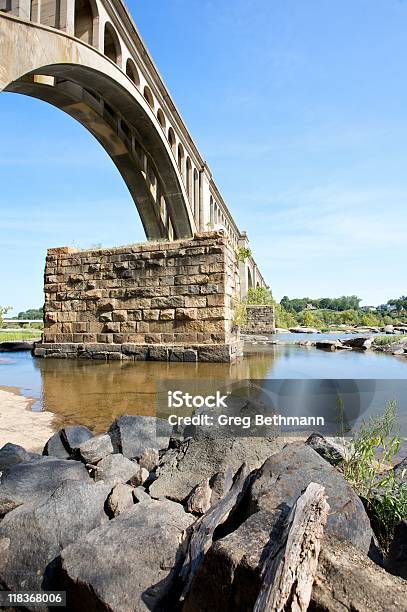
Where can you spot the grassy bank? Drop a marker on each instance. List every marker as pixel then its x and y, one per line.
pixel 17 336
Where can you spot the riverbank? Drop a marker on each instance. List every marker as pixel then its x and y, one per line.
pixel 20 425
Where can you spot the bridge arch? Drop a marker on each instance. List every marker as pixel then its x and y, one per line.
pixel 81 81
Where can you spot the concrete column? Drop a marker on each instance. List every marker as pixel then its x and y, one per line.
pixel 67 17
pixel 21 8
pixel 205 199
pixel 243 267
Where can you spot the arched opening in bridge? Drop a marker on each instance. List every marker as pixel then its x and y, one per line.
pixel 132 72
pixel 85 17
pixel 149 96
pixel 161 118
pixel 181 160
pixel 50 13
pixel 172 140
pixel 188 167
pixel 249 279
pixel 111 47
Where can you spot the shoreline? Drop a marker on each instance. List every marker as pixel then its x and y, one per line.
pixel 20 425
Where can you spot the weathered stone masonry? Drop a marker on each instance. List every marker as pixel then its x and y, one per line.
pixel 260 320
pixel 157 301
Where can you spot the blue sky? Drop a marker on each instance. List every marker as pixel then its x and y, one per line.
pixel 300 109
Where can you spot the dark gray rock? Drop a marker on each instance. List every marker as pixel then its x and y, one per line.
pixel 11 454
pixel 117 468
pixel 182 468
pixel 363 343
pixel 33 535
pixel 35 479
pixel 74 435
pixel 286 474
pixel 95 449
pixel 331 449
pixel 397 559
pixel 132 435
pixel 229 578
pixel 129 564
pixel 55 448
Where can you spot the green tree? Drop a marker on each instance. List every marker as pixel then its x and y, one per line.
pixel 259 295
pixel 31 313
pixel 4 310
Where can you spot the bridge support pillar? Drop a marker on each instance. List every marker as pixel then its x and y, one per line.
pixel 155 301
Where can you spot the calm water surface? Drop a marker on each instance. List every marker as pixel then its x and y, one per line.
pixel 93 393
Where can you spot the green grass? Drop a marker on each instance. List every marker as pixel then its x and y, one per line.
pixel 373 449
pixel 20 335
pixel 386 340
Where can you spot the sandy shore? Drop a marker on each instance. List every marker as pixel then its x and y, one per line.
pixel 20 425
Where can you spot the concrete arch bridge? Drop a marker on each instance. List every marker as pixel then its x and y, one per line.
pixel 87 58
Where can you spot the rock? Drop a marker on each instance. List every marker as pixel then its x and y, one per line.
pixel 182 468
pixel 132 435
pixel 347 580
pixel 7 505
pixel 229 578
pixel 304 330
pixel 281 330
pixel 328 345
pixel 129 564
pixel 199 501
pixel 73 436
pixel 95 449
pixel 36 479
pixel 116 468
pixel 55 448
pixel 362 343
pixel 120 499
pixel 286 474
pixel 139 477
pixel 141 495
pixel 149 459
pixel 388 329
pixel 397 558
pixel 331 449
pixel 11 454
pixel 34 534
pixel 220 484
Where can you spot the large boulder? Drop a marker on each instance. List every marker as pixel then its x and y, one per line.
pixel 129 564
pixel 202 456
pixel 362 343
pixel 35 479
pixel 132 435
pixel 64 443
pixel 11 454
pixel 33 535
pixel 230 576
pixel 285 475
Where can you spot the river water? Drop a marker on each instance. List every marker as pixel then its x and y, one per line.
pixel 93 393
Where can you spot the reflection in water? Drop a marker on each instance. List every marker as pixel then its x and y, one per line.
pixel 93 393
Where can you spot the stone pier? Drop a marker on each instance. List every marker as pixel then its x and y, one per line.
pixel 260 320
pixel 161 301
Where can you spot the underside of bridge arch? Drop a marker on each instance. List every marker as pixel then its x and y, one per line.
pixel 83 83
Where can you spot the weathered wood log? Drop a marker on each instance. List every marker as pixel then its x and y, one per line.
pixel 203 529
pixel 289 571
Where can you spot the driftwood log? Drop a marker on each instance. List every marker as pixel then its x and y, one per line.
pixel 203 529
pixel 291 566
